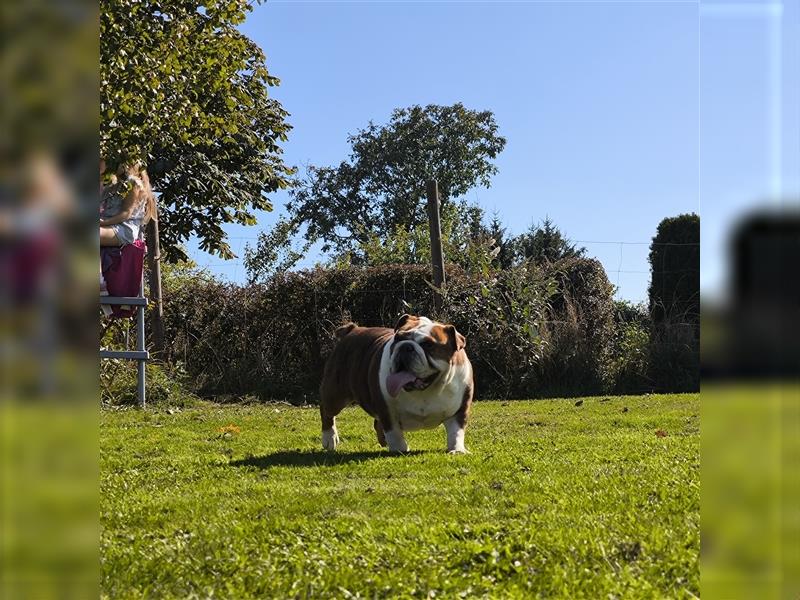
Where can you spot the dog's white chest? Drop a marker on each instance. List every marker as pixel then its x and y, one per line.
pixel 426 409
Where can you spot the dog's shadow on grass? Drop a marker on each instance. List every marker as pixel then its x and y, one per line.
pixel 314 458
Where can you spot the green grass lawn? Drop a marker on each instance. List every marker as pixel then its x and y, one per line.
pixel 599 500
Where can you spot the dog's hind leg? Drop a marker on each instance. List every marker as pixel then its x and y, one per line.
pixel 332 400
pixel 330 435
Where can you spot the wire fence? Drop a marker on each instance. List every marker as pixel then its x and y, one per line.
pixel 629 277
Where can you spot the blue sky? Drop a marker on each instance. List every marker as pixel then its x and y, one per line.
pixel 749 121
pixel 599 102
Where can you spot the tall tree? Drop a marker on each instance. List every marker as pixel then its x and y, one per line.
pixel 545 243
pixel 382 185
pixel 183 90
pixel 495 231
pixel 465 242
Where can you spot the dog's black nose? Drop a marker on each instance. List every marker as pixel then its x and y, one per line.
pixel 404 355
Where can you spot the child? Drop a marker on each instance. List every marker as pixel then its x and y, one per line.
pixel 126 207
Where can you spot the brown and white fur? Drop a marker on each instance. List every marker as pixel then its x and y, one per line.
pixel 416 376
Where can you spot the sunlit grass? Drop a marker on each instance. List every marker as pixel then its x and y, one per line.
pixel 555 499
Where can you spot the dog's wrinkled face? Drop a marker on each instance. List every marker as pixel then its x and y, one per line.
pixel 420 352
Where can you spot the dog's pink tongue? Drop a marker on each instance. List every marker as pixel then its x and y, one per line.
pixel 396 381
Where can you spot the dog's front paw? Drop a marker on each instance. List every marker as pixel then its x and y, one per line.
pixel 396 442
pixel 399 448
pixel 459 450
pixel 330 439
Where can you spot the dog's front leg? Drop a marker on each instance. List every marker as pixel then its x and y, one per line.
pixel 396 441
pixel 455 435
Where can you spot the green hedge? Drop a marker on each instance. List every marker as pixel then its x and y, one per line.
pixel 531 331
pixel 674 295
pixel 674 290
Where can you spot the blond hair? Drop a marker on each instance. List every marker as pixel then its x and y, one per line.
pixel 145 191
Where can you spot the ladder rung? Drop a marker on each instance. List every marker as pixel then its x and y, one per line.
pixel 123 300
pixel 129 354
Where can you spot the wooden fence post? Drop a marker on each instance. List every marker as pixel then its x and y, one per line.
pixel 437 257
pixel 154 266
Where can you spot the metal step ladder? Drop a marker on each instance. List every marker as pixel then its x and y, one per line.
pixel 141 355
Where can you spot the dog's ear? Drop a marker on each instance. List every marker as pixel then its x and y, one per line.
pixel 458 341
pixel 407 321
pixel 344 330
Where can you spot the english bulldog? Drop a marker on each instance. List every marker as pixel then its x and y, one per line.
pixel 415 376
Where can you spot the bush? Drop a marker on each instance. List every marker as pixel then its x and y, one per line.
pixel 629 364
pixel 674 356
pixel 504 319
pixel 646 357
pixel 271 339
pixel 165 386
pixel 580 330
